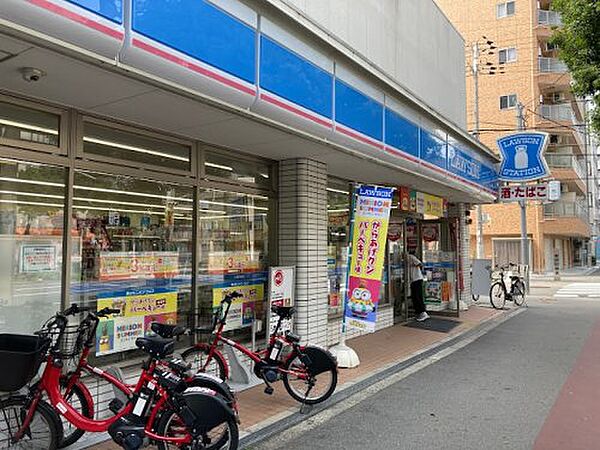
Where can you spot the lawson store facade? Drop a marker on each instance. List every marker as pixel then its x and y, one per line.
pixel 155 153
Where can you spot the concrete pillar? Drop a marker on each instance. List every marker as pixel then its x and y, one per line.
pixel 303 242
pixel 459 211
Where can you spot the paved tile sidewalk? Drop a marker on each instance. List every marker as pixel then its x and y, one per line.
pixel 376 351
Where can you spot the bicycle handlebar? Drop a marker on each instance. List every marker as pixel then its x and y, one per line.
pixel 231 296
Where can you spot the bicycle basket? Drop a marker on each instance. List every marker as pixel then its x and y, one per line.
pixel 72 341
pixel 21 357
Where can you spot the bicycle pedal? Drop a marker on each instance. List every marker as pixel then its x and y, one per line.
pixel 269 390
pixel 115 405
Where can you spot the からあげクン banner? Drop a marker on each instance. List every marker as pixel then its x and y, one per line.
pixel 138 309
pixel 371 218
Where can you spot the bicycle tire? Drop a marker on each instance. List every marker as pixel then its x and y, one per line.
pixel 86 410
pixel 232 436
pixel 298 396
pixel 200 351
pixel 48 419
pixel 497 297
pixel 518 299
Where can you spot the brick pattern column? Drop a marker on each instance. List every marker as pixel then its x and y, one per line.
pixel 303 242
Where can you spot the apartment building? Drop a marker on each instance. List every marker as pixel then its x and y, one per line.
pixel 509 41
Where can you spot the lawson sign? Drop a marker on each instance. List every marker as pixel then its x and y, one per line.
pixel 523 156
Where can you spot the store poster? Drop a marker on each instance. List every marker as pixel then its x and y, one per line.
pixel 38 258
pixel 129 265
pixel 371 218
pixel 281 293
pixel 139 308
pixel 242 309
pixel 226 262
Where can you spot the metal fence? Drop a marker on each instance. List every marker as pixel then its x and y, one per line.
pixel 552 65
pixel 566 161
pixel 566 209
pixel 551 18
pixel 558 112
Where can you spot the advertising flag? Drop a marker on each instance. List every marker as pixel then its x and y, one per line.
pixel 371 218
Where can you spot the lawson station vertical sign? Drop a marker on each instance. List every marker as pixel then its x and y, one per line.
pixel 523 157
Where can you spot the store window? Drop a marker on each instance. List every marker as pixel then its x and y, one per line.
pixel 238 169
pixel 31 230
pixel 234 255
pixel 338 231
pixel 28 126
pixel 118 144
pixel 132 250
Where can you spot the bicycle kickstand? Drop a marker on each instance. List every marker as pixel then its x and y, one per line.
pixel 305 409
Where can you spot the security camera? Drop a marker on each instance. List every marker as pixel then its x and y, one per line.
pixel 31 74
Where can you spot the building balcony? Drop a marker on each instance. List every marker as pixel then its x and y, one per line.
pixel 566 219
pixel 553 74
pixel 561 112
pixel 549 18
pixel 568 169
pixel 551 65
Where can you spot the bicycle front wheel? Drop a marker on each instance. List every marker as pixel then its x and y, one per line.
pixel 198 357
pixel 42 433
pixel 497 295
pixel 223 437
pixel 78 400
pixel 518 292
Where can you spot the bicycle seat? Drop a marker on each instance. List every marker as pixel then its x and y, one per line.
pixel 167 330
pixel 285 312
pixel 155 346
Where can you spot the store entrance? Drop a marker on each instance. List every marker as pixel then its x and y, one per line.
pixel 396 269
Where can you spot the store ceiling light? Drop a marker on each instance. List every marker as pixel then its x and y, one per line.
pixel 338 210
pixel 40 183
pixel 26 126
pixel 339 191
pixel 218 166
pixel 133 148
pixel 132 193
pixel 32 194
pixel 119 210
pixel 234 205
pixel 23 202
pixel 235 216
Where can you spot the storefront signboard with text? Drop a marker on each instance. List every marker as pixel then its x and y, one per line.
pixel 139 308
pixel 371 218
pixel 523 156
pixel 38 258
pixel 535 192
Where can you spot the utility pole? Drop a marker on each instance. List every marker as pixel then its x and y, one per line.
pixel 478 208
pixel 523 205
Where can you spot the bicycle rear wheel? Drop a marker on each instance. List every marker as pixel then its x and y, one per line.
pixel 43 431
pixel 518 292
pixel 497 295
pixel 197 356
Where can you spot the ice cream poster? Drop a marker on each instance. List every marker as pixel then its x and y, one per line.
pixel 139 307
pixel 369 234
pixel 242 309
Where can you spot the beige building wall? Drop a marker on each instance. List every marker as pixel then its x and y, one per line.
pixel 551 231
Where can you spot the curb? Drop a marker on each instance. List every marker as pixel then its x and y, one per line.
pixel 270 430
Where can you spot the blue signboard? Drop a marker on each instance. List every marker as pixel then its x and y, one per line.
pixel 109 9
pixel 433 149
pixel 523 156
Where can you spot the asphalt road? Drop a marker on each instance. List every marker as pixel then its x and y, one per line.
pixel 495 393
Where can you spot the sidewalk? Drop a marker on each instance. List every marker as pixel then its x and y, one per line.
pixel 573 272
pixel 377 352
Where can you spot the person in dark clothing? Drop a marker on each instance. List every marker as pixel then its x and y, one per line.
pixel 415 276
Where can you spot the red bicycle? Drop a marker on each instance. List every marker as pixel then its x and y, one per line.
pixel 163 407
pixel 309 373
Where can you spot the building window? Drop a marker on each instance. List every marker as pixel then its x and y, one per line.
pixel 28 126
pixel 238 170
pixel 507 55
pixel 140 149
pixel 508 101
pixel 505 9
pixel 31 241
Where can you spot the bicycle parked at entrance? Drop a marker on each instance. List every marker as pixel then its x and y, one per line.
pixel 500 293
pixel 309 373
pixel 164 407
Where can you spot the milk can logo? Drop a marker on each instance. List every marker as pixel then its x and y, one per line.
pixel 523 156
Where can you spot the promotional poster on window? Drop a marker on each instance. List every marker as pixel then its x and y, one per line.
pixel 371 218
pixel 139 308
pixel 242 310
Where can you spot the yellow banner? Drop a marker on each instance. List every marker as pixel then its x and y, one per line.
pixel 241 312
pixel 434 206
